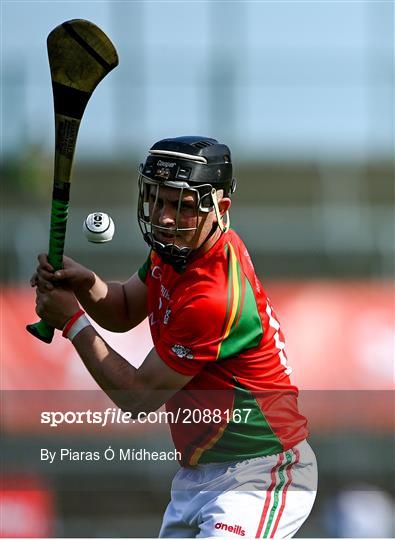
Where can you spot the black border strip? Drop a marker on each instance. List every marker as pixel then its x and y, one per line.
pixel 61 191
pixel 70 30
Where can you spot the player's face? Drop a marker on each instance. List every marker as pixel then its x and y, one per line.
pixel 176 219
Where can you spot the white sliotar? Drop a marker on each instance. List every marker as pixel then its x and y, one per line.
pixel 98 227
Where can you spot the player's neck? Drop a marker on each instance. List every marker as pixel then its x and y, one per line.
pixel 208 244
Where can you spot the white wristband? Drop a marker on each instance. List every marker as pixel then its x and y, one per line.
pixel 81 323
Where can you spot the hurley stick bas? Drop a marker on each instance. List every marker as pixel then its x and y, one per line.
pixel 80 56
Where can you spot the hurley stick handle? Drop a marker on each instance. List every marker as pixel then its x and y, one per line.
pixel 42 330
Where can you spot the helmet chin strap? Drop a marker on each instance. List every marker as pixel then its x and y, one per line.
pixel 173 255
pixel 178 257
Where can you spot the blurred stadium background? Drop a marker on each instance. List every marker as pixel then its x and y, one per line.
pixel 303 92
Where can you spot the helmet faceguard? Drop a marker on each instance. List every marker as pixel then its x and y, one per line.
pixel 192 166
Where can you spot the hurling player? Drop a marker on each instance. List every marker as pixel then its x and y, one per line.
pixel 218 355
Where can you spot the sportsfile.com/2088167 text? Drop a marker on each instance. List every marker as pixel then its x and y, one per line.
pixel 117 416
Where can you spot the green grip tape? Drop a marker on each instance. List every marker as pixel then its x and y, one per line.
pixel 57 234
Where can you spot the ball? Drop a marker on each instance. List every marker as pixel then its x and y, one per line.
pixel 98 227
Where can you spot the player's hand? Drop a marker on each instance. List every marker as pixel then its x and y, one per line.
pixel 56 307
pixel 73 275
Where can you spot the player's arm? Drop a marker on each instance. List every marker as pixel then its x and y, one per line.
pixel 135 390
pixel 115 306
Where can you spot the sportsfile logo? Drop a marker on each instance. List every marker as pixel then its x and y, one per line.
pixel 235 529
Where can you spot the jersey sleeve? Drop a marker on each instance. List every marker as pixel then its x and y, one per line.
pixel 192 335
pixel 144 268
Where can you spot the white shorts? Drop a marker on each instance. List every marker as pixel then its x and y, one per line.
pixel 254 498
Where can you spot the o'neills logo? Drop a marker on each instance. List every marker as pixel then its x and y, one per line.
pixel 236 529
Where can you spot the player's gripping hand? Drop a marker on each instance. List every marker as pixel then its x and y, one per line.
pixel 73 276
pixel 56 306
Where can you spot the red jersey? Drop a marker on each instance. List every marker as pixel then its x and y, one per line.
pixel 215 322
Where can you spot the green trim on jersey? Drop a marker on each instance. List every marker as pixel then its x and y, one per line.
pixel 230 291
pixel 246 328
pixel 248 438
pixel 143 270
